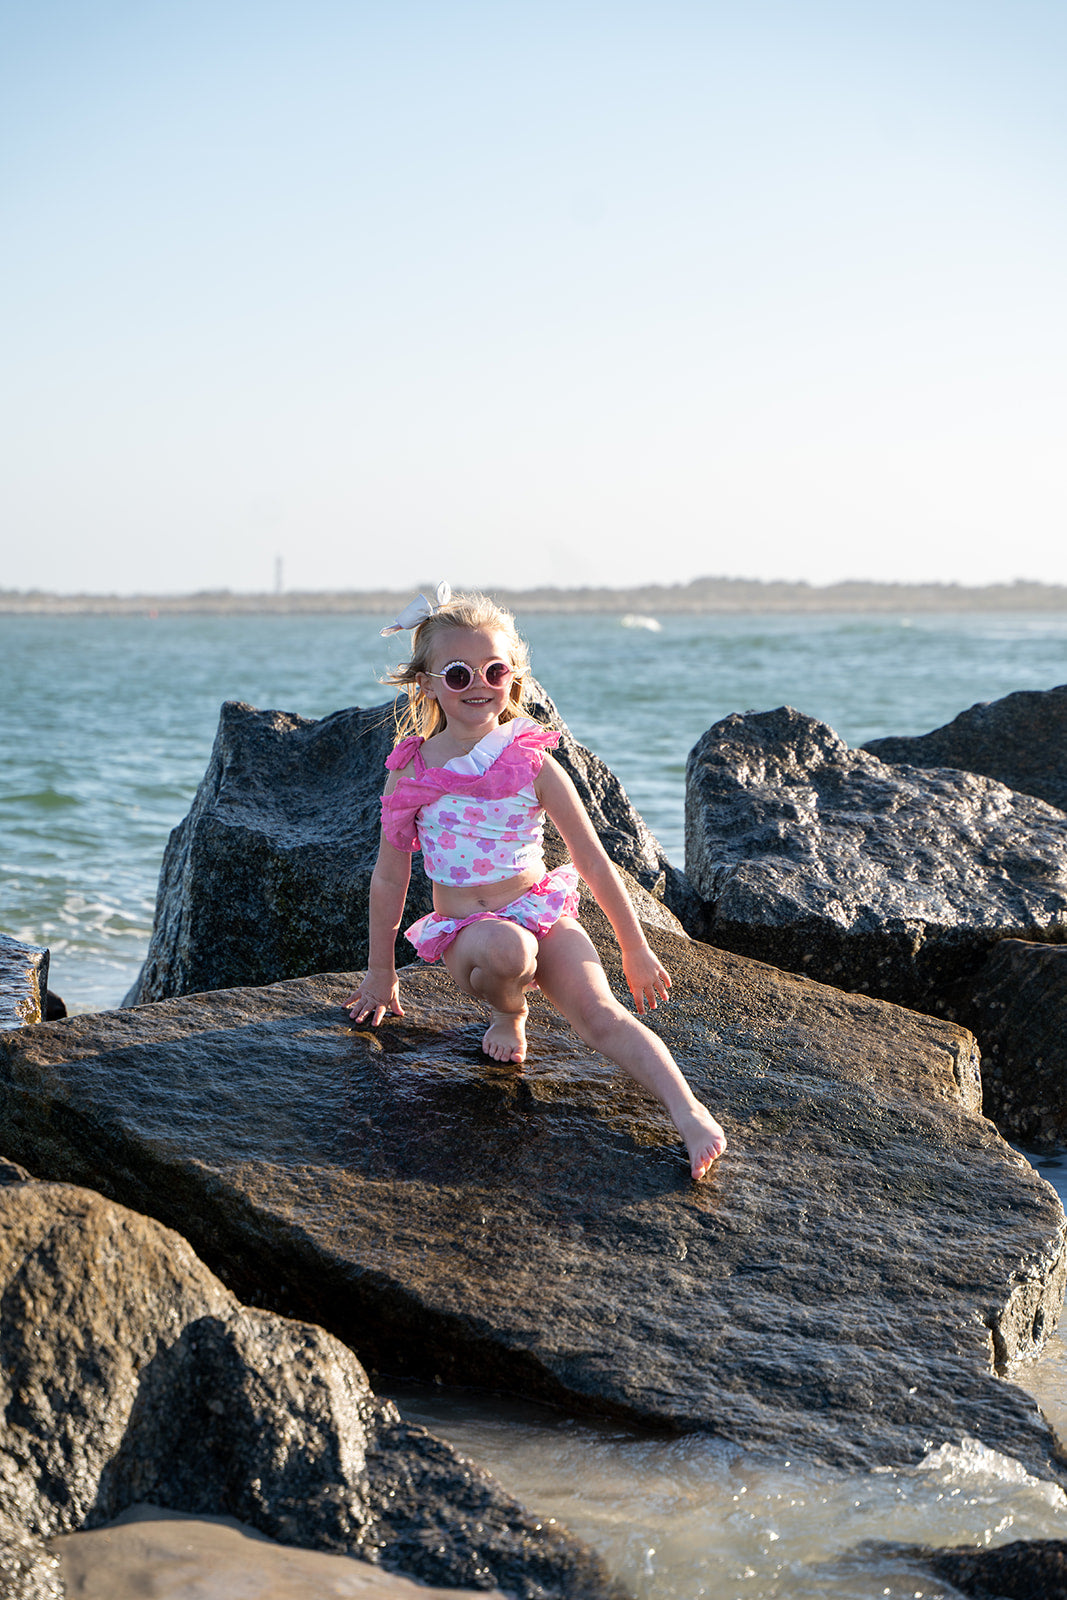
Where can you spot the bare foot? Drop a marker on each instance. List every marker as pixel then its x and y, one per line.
pixel 505 1039
pixel 704 1140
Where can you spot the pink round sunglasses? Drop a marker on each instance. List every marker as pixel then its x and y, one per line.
pixel 457 675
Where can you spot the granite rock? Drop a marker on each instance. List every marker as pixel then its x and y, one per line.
pixel 845 1287
pixel 895 881
pixel 23 983
pixel 28 1570
pixel 1026 1569
pixel 268 876
pixel 1020 740
pixel 130 1375
pixel 1016 1003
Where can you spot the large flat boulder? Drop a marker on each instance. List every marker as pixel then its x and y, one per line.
pixel 845 1287
pixel 896 881
pixel 268 876
pixel 130 1375
pixel 1020 740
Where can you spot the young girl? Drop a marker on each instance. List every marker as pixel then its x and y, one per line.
pixel 471 787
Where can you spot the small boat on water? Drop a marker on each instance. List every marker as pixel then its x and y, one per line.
pixel 633 619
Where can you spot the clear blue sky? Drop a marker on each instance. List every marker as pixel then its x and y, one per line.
pixel 532 291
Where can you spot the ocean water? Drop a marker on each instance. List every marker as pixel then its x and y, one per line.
pixel 106 726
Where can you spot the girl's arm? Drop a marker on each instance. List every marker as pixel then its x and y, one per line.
pixel 646 977
pixel 380 990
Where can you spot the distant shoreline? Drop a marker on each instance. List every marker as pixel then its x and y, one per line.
pixel 703 595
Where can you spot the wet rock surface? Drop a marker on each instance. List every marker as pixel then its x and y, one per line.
pixel 1017 1005
pixel 23 983
pixel 1024 1570
pixel 839 1290
pixel 1020 740
pixel 268 876
pixel 890 880
pixel 131 1375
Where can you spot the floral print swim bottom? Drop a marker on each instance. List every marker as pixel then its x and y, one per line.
pixel 538 910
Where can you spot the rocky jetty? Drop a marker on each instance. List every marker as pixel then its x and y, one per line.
pixel 845 1287
pixel 1020 740
pixel 1016 1003
pixel 23 983
pixel 130 1375
pixel 268 876
pixel 895 881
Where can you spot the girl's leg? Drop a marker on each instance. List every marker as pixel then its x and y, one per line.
pixel 570 974
pixel 495 961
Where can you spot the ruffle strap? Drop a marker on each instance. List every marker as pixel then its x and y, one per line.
pixel 516 765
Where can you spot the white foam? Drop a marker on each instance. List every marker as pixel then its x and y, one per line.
pixel 971 1459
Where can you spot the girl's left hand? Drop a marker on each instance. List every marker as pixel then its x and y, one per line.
pixel 646 977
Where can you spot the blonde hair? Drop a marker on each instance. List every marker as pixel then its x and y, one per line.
pixel 422 713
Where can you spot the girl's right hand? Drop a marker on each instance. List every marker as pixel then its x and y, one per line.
pixel 378 993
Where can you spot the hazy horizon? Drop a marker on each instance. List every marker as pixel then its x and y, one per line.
pixel 722 594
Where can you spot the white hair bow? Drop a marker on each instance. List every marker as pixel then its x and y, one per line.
pixel 419 609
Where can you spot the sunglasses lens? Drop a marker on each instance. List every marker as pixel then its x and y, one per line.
pixel 497 673
pixel 457 677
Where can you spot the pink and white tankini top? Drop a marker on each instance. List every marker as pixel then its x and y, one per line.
pixel 477 818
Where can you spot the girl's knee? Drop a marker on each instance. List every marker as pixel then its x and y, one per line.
pixel 599 1021
pixel 508 950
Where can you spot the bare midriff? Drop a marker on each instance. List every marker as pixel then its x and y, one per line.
pixel 460 900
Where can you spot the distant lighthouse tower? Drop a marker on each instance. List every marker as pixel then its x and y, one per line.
pixel 277 574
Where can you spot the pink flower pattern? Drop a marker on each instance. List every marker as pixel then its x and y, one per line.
pixel 491 850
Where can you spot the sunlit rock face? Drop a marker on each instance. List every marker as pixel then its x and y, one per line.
pixel 131 1375
pixel 1020 740
pixel 840 1289
pixel 28 1569
pixel 23 983
pixel 268 876
pixel 891 880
